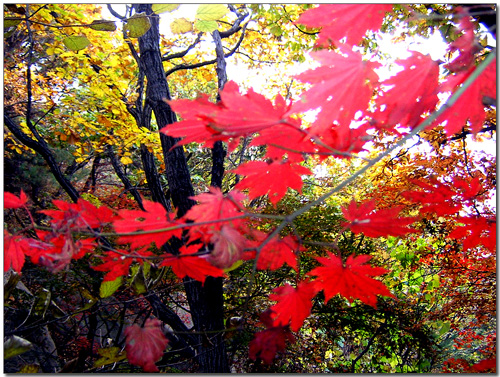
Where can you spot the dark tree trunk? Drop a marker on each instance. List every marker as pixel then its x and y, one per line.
pixel 123 177
pixel 206 302
pixel 43 149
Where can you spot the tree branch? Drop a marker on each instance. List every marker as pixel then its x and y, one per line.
pixel 201 64
pixel 42 148
pixel 182 53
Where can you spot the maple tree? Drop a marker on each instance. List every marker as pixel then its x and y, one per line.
pixel 244 224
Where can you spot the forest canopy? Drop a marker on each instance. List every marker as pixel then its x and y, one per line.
pixel 249 188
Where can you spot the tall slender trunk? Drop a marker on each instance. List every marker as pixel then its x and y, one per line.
pixel 205 301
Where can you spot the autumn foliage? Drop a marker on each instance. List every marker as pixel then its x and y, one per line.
pixel 224 229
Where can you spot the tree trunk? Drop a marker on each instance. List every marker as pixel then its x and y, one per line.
pixel 206 302
pixel 43 149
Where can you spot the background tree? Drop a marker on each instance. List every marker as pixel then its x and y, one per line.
pixel 94 100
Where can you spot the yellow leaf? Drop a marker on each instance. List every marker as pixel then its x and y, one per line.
pixel 180 26
pixel 162 8
pixel 126 160
pixel 109 356
pixel 29 368
pixel 211 12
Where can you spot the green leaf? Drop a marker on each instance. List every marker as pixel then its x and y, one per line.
pixel 11 21
pixel 235 265
pixel 139 282
pixel 445 328
pixel 103 25
pixel 137 25
pixel 42 302
pixel 14 346
pixel 181 26
pixel 109 356
pixel 276 30
pixel 90 300
pixel 76 43
pixel 211 12
pixel 107 288
pixel 162 8
pixel 207 26
pixel 14 278
pixel 435 281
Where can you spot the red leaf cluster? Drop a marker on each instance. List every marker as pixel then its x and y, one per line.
pixel 234 116
pixel 469 108
pixel 406 99
pixel 157 224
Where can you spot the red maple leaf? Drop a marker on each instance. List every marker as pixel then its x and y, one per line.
pixel 344 20
pixel 294 304
pixel 267 343
pixel 468 189
pixel 285 140
pixel 380 223
pixel 411 93
pixel 342 86
pixel 339 140
pixel 437 198
pixel 276 252
pixel 212 208
pixel 118 264
pixel 234 116
pixel 469 108
pixel 61 250
pixel 353 280
pixel 272 178
pixel 12 201
pixel 145 345
pixel 152 220
pixel 196 267
pixel 14 250
pixel 475 231
pixel 228 246
pixel 466 44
